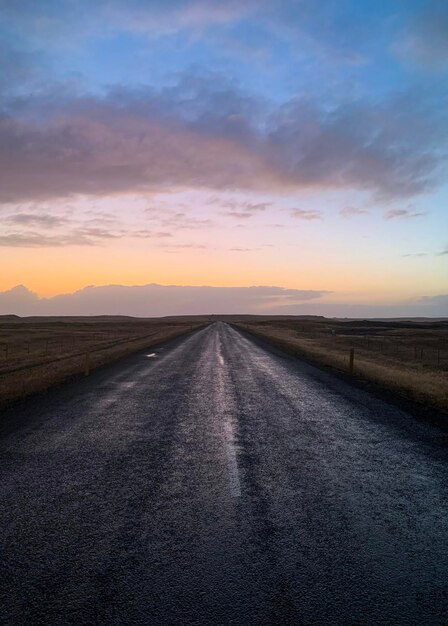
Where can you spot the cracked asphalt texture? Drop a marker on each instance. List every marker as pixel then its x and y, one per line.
pixel 220 482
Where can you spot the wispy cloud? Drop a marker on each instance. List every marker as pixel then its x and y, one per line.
pixel 241 210
pixel 424 40
pixel 240 215
pixel 304 214
pixel 148 234
pixel 75 235
pixel 402 214
pixel 36 219
pixel 236 249
pixel 161 18
pixel 349 211
pixel 184 246
pixel 175 220
pixel 40 240
pixel 252 207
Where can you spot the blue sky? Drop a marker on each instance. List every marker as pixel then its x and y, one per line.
pixel 299 143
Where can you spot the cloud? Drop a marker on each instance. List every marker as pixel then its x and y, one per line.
pixel 163 18
pixel 440 302
pixel 74 236
pixel 303 214
pixel 18 301
pixel 36 219
pixel 100 147
pixel 159 300
pixel 388 148
pixel 406 310
pixel 153 300
pixel 205 133
pixel 184 246
pixel 242 210
pixel 402 214
pixel 236 249
pixel 240 215
pixel 175 220
pixel 148 234
pixel 425 39
pixel 349 211
pixel 81 237
pixel 415 254
pixel 251 207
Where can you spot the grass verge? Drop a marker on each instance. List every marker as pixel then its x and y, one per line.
pixel 89 345
pixel 403 379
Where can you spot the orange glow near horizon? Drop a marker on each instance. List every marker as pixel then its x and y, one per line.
pixel 53 271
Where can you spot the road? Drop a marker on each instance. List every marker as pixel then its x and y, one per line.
pixel 218 482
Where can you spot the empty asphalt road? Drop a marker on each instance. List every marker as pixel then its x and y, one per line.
pixel 216 482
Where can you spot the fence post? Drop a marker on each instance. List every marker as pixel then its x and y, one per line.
pixel 87 365
pixel 351 360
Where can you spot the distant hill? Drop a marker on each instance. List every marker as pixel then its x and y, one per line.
pixel 348 321
pixel 242 317
pixel 10 318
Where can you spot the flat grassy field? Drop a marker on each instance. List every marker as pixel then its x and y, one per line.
pixel 36 353
pixel 409 359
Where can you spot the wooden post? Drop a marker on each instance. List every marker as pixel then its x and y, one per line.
pixel 351 360
pixel 87 365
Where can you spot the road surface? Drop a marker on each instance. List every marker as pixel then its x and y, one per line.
pixel 217 482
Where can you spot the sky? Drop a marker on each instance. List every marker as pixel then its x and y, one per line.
pixel 281 155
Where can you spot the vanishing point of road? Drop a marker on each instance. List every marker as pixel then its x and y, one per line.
pixel 217 482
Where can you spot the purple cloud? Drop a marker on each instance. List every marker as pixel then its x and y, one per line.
pixel 153 300
pixel 147 140
pixel 401 214
pixel 349 211
pixel 303 214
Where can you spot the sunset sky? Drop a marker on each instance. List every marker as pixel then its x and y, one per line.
pixel 295 144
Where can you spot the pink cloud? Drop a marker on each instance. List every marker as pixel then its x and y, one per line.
pixel 351 211
pixel 303 214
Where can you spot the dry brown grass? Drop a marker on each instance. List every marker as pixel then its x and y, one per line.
pixel 35 355
pixel 407 359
